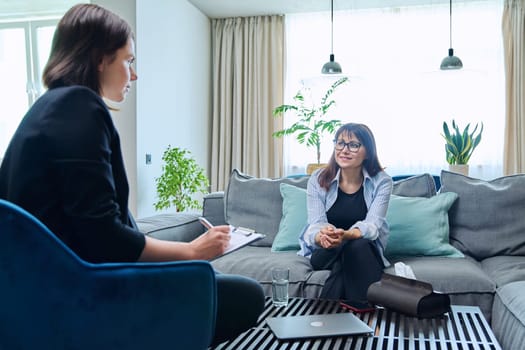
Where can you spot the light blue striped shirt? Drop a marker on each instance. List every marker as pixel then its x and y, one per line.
pixel 376 191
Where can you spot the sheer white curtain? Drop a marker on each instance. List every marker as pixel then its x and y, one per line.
pixel 392 57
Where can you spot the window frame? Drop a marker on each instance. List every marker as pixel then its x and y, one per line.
pixel 33 86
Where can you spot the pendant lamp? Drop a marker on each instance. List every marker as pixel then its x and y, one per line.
pixel 332 67
pixel 451 61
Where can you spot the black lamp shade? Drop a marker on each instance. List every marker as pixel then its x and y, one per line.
pixel 451 61
pixel 331 67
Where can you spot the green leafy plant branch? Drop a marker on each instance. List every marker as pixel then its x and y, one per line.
pixel 181 178
pixel 311 125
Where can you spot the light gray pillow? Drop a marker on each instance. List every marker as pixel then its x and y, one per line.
pixel 181 227
pixel 256 203
pixel 422 185
pixel 487 218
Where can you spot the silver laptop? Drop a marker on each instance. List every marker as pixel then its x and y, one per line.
pixel 314 326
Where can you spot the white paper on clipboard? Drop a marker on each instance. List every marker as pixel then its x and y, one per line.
pixel 240 236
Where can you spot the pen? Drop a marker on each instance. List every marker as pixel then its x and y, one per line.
pixel 243 230
pixel 205 222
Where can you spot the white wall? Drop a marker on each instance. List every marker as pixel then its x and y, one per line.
pixel 170 102
pixel 126 118
pixel 173 89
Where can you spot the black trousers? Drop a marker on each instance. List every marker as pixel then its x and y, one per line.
pixel 354 265
pixel 240 302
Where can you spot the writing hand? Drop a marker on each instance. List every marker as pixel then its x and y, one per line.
pixel 212 243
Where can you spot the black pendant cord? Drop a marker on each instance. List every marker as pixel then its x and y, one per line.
pixel 450 23
pixel 331 67
pixel 332 28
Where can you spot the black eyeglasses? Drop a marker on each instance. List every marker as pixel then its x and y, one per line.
pixel 352 146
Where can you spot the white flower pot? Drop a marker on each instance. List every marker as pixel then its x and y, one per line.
pixel 459 168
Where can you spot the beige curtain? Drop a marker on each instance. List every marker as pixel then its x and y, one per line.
pixel 513 24
pixel 248 80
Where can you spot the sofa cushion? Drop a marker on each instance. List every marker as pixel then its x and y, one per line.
pixel 257 262
pixel 213 208
pixel 182 227
pixel 419 226
pixel 505 269
pixel 463 275
pixel 257 203
pixel 487 219
pixel 293 220
pixel 422 185
pixel 508 321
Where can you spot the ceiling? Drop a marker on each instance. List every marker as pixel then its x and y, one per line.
pixel 243 8
pixel 223 8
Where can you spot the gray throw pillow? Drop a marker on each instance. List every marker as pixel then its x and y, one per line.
pixel 415 186
pixel 181 227
pixel 487 218
pixel 256 203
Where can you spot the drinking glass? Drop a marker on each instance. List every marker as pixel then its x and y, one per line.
pixel 280 278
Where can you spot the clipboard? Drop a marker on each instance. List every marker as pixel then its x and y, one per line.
pixel 240 237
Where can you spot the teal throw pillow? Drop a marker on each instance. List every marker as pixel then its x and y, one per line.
pixel 293 220
pixel 419 226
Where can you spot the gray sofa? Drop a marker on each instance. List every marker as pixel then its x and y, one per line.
pixel 467 240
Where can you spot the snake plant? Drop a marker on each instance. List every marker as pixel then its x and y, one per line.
pixel 460 144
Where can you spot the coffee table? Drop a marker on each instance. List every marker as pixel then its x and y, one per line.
pixel 463 328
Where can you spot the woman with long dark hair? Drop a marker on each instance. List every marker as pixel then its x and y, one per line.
pixel 347 204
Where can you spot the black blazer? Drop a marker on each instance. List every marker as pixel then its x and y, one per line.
pixel 64 165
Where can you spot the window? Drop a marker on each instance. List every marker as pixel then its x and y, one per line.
pixel 392 56
pixel 24 49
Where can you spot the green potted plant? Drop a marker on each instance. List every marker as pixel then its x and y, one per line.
pixel 181 178
pixel 460 145
pixel 311 124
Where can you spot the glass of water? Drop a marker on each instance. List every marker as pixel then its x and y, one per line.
pixel 280 278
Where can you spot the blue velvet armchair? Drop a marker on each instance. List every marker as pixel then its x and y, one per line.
pixel 51 299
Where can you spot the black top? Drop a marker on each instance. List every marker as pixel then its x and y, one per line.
pixel 347 209
pixel 64 165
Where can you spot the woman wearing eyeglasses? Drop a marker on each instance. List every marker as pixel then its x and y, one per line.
pixel 347 204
